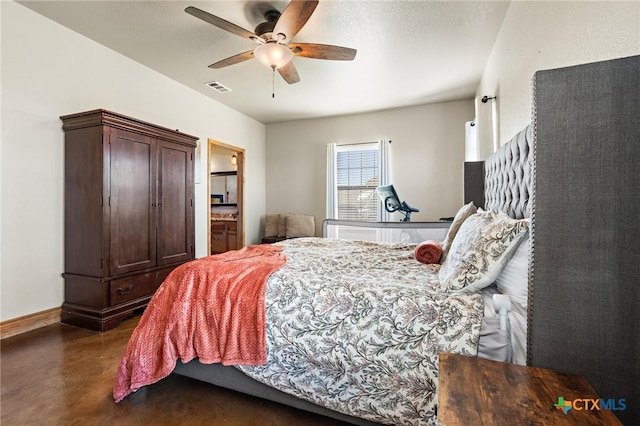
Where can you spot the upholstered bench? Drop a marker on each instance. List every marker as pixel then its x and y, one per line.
pixel 272 239
pixel 278 227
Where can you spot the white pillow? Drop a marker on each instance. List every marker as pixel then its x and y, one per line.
pixel 481 248
pixel 514 278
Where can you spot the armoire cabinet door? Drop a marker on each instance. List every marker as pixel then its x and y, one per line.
pixel 175 203
pixel 132 200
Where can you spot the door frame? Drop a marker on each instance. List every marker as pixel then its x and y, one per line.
pixel 240 155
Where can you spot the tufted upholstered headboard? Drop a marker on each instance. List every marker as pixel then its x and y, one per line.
pixel 508 187
pixel 508 183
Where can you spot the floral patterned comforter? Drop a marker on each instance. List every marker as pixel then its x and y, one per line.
pixel 357 327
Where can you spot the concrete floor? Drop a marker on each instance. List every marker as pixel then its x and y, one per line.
pixel 63 375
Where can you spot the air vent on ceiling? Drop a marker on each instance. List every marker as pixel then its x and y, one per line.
pixel 218 87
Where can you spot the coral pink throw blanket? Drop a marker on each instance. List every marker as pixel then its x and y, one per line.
pixel 211 308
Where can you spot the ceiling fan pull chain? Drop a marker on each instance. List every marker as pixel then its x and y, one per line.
pixel 273 84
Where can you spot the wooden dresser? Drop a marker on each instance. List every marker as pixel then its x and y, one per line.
pixel 129 215
pixel 476 391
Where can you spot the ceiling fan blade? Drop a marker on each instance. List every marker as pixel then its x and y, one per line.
pixel 323 51
pixel 289 73
pixel 293 18
pixel 235 59
pixel 222 24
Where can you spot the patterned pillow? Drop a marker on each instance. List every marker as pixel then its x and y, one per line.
pixel 463 213
pixel 482 247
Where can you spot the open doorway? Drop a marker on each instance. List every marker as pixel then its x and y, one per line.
pixel 225 169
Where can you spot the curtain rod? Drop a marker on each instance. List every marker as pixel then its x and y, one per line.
pixel 358 143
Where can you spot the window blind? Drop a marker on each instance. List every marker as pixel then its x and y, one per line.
pixel 357 177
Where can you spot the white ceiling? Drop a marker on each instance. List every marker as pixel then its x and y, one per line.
pixel 409 52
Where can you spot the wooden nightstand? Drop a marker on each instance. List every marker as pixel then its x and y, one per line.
pixel 475 391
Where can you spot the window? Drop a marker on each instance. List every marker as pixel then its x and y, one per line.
pixel 353 174
pixel 357 177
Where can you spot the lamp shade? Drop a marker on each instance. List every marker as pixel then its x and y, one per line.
pixel 273 55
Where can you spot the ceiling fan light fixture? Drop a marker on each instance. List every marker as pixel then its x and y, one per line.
pixel 273 55
pixel 274 37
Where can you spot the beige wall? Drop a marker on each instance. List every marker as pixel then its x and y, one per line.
pixel 545 35
pixel 48 71
pixel 427 155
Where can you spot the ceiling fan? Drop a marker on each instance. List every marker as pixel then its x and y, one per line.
pixel 274 37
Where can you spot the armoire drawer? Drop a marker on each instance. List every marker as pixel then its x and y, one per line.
pixel 130 288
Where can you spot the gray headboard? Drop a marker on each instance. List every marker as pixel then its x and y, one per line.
pixel 508 183
pixel 586 263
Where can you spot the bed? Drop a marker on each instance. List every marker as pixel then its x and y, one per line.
pixel 352 329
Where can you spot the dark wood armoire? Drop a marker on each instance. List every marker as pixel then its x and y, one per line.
pixel 129 214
